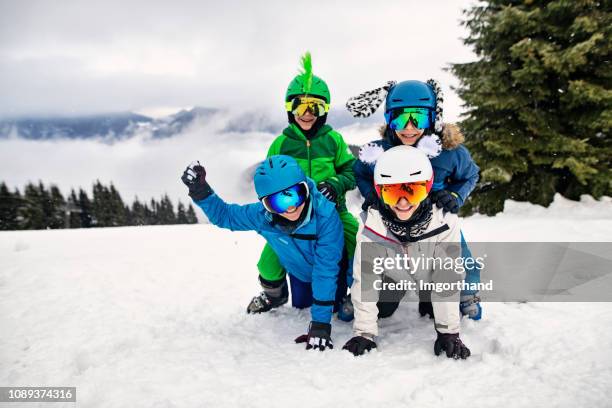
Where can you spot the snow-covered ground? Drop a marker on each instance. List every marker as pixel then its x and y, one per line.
pixel 155 317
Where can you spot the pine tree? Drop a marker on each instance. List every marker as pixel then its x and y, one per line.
pixel 46 203
pixel 101 205
pixel 85 206
pixel 9 208
pixel 19 199
pixel 117 210
pixel 181 215
pixel 191 215
pixel 538 100
pixel 32 212
pixel 139 214
pixel 153 218
pixel 165 211
pixel 72 206
pixel 57 208
pixel 128 215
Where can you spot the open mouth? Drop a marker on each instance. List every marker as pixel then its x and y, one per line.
pixel 405 210
pixel 291 210
pixel 309 120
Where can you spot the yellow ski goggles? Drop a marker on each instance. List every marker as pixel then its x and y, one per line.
pixel 301 104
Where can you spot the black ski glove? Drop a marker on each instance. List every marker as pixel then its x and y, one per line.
pixel 426 308
pixel 370 200
pixel 194 178
pixel 452 344
pixel 328 191
pixel 319 336
pixel 425 305
pixel 447 200
pixel 359 345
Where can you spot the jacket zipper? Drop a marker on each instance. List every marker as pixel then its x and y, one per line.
pixel 309 163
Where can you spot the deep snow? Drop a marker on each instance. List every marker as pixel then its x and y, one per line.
pixel 155 317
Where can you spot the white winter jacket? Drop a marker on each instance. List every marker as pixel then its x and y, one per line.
pixel 441 238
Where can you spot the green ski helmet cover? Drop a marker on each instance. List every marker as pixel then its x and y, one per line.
pixel 305 83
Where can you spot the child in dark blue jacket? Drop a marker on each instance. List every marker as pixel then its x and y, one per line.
pixel 302 227
pixel 413 114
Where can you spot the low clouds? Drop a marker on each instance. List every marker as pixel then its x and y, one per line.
pixel 139 166
pixel 146 167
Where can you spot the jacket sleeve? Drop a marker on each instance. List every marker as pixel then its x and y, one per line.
pixel 465 175
pixel 446 303
pixel 364 174
pixel 274 148
pixel 344 180
pixel 366 313
pixel 328 253
pixel 232 216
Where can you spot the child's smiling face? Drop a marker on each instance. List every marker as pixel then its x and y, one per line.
pixel 293 213
pixel 409 135
pixel 306 121
pixel 403 209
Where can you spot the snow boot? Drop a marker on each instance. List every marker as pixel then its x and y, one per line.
pixel 470 306
pixel 346 312
pixel 275 294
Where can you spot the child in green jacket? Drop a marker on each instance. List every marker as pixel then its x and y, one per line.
pixel 324 156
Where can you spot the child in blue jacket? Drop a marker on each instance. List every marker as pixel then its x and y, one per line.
pixel 302 227
pixel 413 114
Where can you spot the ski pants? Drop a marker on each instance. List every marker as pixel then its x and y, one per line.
pixel 389 300
pixel 301 292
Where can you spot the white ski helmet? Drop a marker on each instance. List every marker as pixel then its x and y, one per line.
pixel 403 164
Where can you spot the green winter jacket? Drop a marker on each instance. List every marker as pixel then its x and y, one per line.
pixel 325 157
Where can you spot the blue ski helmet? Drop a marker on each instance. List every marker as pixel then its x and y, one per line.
pixel 415 94
pixel 277 173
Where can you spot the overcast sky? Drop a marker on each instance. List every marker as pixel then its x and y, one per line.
pixel 103 56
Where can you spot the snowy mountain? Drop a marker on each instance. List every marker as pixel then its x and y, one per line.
pixel 155 317
pixel 109 127
pixel 113 126
pixel 122 126
pixel 175 124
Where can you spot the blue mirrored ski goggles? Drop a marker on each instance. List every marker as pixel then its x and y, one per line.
pixel 286 200
pixel 398 119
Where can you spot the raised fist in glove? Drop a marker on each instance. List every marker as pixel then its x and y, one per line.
pixel 194 178
pixel 452 344
pixel 318 337
pixel 359 345
pixel 328 191
pixel 447 200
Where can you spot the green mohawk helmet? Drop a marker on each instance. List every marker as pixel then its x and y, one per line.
pixel 305 83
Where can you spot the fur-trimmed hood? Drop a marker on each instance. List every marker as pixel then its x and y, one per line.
pixel 451 135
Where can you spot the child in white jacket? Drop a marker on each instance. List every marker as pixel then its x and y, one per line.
pixel 406 243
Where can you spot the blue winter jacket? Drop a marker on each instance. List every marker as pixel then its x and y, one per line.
pixel 454 170
pixel 312 252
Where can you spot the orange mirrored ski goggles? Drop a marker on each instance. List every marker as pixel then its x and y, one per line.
pixel 415 192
